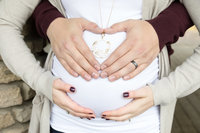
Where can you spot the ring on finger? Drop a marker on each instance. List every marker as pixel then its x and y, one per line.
pixel 134 63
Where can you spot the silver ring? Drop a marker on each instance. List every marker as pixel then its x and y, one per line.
pixel 134 63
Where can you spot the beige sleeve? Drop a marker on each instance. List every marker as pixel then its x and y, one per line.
pixel 183 81
pixel 14 51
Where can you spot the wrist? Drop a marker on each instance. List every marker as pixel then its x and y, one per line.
pixel 52 26
pixel 154 32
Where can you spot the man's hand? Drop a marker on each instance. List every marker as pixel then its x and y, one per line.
pixel 141 45
pixel 142 100
pixel 69 47
pixel 60 98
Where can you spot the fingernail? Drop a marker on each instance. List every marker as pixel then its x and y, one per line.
pixel 104 115
pixel 81 117
pixel 126 77
pixel 72 89
pixel 97 67
pixel 91 113
pixel 104 74
pixel 111 78
pixel 88 118
pixel 126 94
pixel 75 74
pixel 88 77
pixel 93 117
pixel 107 119
pixel 95 75
pixel 103 67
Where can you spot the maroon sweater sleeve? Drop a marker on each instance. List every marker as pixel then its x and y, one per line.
pixel 170 24
pixel 43 15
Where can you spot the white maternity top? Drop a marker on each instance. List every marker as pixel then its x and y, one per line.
pixel 99 94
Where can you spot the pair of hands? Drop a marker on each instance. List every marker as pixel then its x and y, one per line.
pixel 140 45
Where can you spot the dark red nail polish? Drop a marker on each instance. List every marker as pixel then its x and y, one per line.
pixel 91 113
pixel 126 94
pixel 107 119
pixel 104 115
pixel 81 117
pixel 88 118
pixel 72 89
pixel 92 117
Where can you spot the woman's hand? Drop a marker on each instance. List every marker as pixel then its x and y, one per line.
pixel 141 45
pixel 60 98
pixel 142 100
pixel 69 47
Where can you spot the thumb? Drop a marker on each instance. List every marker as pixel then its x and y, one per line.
pixel 60 85
pixel 91 26
pixel 118 27
pixel 139 93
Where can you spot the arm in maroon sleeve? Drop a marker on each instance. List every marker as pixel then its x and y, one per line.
pixel 43 15
pixel 169 24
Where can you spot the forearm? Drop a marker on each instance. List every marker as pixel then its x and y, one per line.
pixel 43 15
pixel 171 24
pixel 183 81
pixel 13 49
pixel 193 9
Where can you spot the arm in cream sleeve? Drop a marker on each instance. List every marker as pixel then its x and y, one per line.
pixel 183 81
pixel 186 77
pixel 16 55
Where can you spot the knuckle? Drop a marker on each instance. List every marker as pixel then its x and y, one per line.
pixel 80 59
pixel 67 46
pixel 75 38
pixel 73 108
pixel 90 70
pixel 86 53
pixel 116 55
pixel 142 67
pixel 114 25
pixel 130 41
pixel 82 73
pixel 56 83
pixel 130 68
pixel 114 67
pixel 81 110
pixel 62 61
pixel 92 24
pixel 74 114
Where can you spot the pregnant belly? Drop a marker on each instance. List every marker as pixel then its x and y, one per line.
pixel 100 94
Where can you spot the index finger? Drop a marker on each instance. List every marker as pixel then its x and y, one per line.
pixel 87 53
pixel 119 52
pixel 118 112
pixel 69 103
